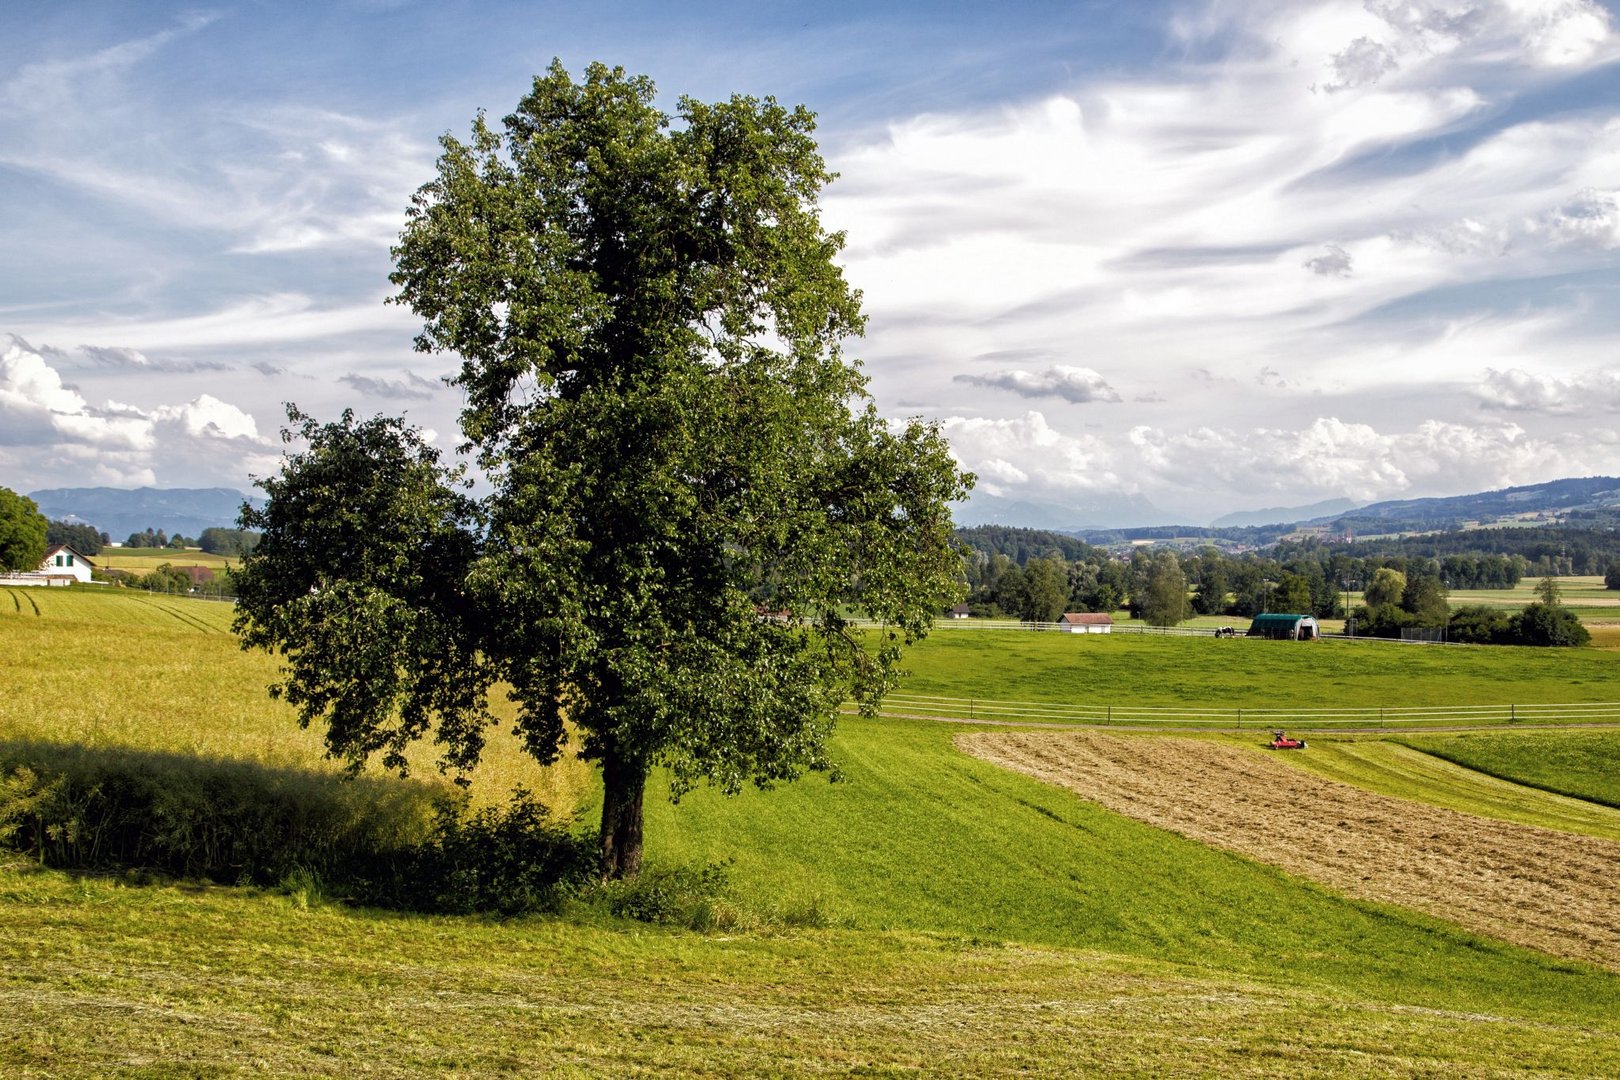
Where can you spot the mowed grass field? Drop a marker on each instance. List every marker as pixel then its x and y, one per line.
pixel 981 922
pixel 1204 672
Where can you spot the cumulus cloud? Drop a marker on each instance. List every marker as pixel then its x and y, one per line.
pixel 1211 469
pixel 54 434
pixel 1516 390
pixel 1078 385
pixel 1026 455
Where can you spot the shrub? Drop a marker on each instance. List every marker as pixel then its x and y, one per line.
pixel 695 898
pixel 109 808
pixel 1547 624
pixel 1479 625
pixel 510 860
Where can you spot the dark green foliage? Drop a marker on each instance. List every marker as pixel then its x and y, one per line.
pixel 1479 625
pixel 218 541
pixel 1022 545
pixel 228 821
pixel 676 896
pixel 383 843
pixel 1045 591
pixel 22 532
pixel 1547 624
pixel 1424 598
pixel 511 860
pixel 692 493
pixel 359 582
pixel 81 538
pixel 151 538
pixel 1162 597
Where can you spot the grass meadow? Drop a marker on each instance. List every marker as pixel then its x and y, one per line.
pixel 972 921
pixel 145 560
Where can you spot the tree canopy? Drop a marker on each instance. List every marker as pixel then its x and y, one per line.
pixel 692 494
pixel 22 532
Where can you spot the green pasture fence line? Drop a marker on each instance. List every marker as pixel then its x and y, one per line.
pixel 1040 712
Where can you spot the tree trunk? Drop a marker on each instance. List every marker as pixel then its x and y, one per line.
pixel 623 783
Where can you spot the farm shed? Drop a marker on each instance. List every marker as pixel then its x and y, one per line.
pixel 1086 622
pixel 1285 627
pixel 960 611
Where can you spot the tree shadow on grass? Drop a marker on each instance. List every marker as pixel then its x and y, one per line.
pixel 225 820
pixel 381 841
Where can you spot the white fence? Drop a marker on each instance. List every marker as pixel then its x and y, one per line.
pixel 991 710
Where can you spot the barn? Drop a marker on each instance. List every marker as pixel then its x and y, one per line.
pixel 1086 622
pixel 1282 627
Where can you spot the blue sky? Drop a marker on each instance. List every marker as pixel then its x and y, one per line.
pixel 1207 256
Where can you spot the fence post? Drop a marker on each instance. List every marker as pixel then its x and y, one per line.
pixel 970 708
pixel 1513 714
pixel 1240 719
pixel 1380 716
pixel 1109 720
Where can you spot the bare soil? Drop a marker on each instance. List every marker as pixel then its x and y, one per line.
pixel 1549 890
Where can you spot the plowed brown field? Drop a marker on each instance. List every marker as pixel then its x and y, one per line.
pixel 1549 890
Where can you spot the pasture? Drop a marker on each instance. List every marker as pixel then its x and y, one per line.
pixel 145 560
pixel 973 920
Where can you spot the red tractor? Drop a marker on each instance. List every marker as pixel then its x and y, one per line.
pixel 1280 741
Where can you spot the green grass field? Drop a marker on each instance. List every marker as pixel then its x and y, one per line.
pixel 1582 765
pixel 982 923
pixel 1198 672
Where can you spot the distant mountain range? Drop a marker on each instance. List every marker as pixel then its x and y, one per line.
pixel 119 512
pixel 1097 512
pixel 1556 498
pixel 1284 515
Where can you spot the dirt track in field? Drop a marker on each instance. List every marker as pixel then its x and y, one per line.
pixel 1549 890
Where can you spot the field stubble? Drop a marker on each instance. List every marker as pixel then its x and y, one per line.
pixel 1536 887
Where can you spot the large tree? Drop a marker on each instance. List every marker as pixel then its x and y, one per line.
pixel 1163 599
pixel 22 532
pixel 692 495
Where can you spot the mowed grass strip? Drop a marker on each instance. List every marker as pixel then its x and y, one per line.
pixel 1199 673
pixel 110 606
pixel 1391 767
pixel 1579 764
pixel 922 837
pixel 98 979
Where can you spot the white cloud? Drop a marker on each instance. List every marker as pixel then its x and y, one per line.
pixel 1515 390
pixel 1028 454
pixel 50 434
pixel 1073 384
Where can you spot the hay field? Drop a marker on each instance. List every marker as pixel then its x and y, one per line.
pixel 1537 887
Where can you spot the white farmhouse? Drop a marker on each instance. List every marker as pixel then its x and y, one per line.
pixel 62 566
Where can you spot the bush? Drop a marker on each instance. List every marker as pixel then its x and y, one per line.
pixel 1480 625
pixel 511 860
pixel 112 808
pixel 378 841
pixel 1547 624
